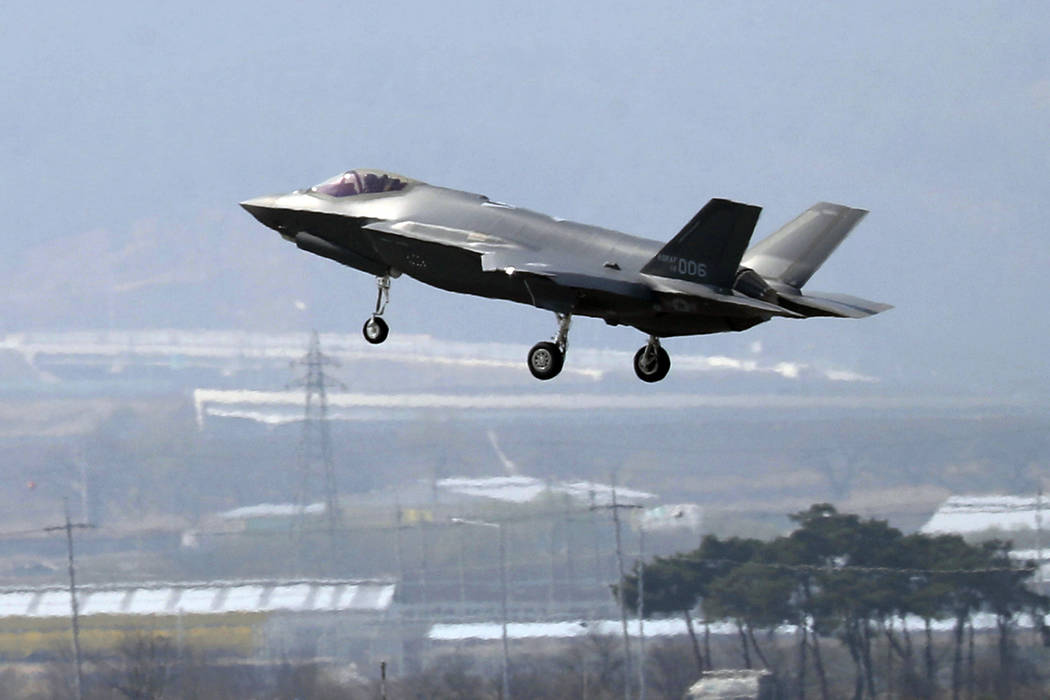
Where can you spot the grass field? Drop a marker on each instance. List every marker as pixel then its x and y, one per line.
pixel 27 637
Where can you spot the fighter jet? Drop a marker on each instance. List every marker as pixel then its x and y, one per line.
pixel 702 281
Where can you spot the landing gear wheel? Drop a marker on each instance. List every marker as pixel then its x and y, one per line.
pixel 651 366
pixel 545 360
pixel 375 330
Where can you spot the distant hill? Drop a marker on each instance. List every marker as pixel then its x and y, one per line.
pixel 219 273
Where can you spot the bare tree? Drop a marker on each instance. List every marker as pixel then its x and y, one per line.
pixel 144 668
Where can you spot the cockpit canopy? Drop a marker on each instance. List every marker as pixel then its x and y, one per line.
pixel 362 182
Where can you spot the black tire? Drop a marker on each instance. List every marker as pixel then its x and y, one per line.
pixel 375 330
pixel 545 360
pixel 657 371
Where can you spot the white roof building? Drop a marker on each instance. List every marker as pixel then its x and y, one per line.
pixel 212 598
pixel 968 514
pixel 522 489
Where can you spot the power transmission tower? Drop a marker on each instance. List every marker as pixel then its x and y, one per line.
pixel 316 469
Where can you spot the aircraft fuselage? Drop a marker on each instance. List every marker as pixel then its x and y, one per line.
pixel 700 282
pixel 456 269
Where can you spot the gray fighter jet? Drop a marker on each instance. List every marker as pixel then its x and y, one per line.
pixel 703 281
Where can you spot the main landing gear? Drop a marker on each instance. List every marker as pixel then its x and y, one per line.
pixel 375 329
pixel 652 363
pixel 547 358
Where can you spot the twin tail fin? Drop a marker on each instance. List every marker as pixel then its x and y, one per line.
pixel 708 249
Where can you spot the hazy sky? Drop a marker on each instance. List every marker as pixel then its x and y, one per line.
pixel 932 115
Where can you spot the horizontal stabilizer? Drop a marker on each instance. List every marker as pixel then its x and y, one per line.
pixel 731 299
pixel 793 253
pixel 708 249
pixel 828 304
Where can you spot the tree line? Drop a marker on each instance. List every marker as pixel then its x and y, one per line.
pixel 840 578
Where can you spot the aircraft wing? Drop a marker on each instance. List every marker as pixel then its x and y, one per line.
pixel 499 254
pixel 444 235
pixel 564 273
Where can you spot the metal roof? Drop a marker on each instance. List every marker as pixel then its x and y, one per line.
pixel 669 627
pixel 212 597
pixel 521 489
pixel 663 627
pixel 964 514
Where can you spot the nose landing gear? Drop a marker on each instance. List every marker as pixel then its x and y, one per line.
pixel 546 359
pixel 652 363
pixel 376 329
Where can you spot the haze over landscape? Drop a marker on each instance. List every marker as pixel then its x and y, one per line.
pixel 150 326
pixel 130 137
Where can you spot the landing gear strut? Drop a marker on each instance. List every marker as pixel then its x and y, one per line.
pixel 375 329
pixel 652 363
pixel 547 358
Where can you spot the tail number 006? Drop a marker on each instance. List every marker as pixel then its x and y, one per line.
pixel 691 268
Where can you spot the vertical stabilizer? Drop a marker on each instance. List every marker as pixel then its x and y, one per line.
pixel 709 247
pixel 792 254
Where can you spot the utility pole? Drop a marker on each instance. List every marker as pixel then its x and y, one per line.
pixel 597 544
pixel 402 589
pixel 1039 536
pixel 315 446
pixel 623 603
pixel 398 548
pixel 615 508
pixel 74 607
pixel 503 608
pixel 83 488
pixel 503 594
pixel 462 573
pixel 570 568
pixel 424 591
pixel 553 561
pixel 641 609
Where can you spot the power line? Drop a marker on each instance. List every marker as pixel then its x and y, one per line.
pixel 68 527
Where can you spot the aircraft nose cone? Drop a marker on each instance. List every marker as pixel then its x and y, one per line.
pixel 263 209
